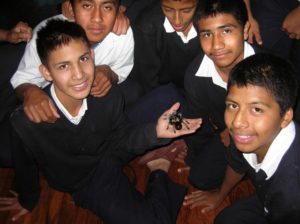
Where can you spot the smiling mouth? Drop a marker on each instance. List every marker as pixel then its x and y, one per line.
pixel 80 87
pixel 239 138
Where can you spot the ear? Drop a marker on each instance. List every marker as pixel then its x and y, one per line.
pixel 287 118
pixel 246 30
pixel 67 10
pixel 45 72
pixel 92 53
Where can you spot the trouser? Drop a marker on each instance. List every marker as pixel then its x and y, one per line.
pixel 244 211
pixel 152 105
pixel 207 161
pixel 6 144
pixel 115 199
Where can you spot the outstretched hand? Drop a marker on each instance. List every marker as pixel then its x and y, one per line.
pixel 165 130
pixel 12 203
pixel 209 200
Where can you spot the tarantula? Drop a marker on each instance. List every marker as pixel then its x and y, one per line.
pixel 176 120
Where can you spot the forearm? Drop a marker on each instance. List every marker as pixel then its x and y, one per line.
pixel 231 179
pixel 108 72
pixel 248 6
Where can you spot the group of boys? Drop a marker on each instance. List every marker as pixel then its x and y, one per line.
pixel 87 67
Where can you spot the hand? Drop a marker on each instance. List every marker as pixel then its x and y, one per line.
pixel 209 200
pixel 291 24
pixel 104 78
pixel 254 32
pixel 38 106
pixel 12 203
pixel 21 32
pixel 122 22
pixel 225 137
pixel 165 130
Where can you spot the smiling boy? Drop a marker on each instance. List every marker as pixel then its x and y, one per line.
pixel 262 91
pixel 222 27
pixel 113 57
pixel 96 141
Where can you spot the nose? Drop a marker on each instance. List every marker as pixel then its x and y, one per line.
pixel 240 119
pixel 218 42
pixel 97 14
pixel 177 18
pixel 77 72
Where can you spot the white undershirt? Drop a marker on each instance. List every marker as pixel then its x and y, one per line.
pixel 278 148
pixel 185 39
pixel 73 119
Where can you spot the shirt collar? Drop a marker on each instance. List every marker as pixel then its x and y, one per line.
pixel 73 119
pixel 208 69
pixel 278 148
pixel 185 39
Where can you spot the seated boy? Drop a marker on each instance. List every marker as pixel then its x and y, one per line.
pixel 262 92
pixel 113 58
pixel 222 26
pixel 84 151
pixel 165 44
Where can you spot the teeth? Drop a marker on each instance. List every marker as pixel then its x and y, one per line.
pixel 244 136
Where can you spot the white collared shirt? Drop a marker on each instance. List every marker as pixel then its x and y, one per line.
pixel 276 151
pixel 114 51
pixel 185 39
pixel 208 69
pixel 73 119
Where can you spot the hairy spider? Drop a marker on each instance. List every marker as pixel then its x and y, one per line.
pixel 176 120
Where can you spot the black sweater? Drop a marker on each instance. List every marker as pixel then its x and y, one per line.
pixel 68 154
pixel 160 57
pixel 280 195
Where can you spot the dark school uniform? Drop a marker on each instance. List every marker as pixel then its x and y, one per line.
pixel 87 161
pixel 277 198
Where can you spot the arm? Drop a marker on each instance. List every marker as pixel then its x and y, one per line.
pixel 37 104
pixel 21 32
pixel 254 32
pixel 212 199
pixel 291 24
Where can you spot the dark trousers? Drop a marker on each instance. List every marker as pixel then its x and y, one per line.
pixel 115 199
pixel 151 106
pixel 244 211
pixel 6 143
pixel 207 161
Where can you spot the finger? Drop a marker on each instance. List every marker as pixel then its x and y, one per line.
pixel 13 193
pixel 19 214
pixel 44 112
pixel 53 109
pixel 258 38
pixel 250 38
pixel 183 169
pixel 99 92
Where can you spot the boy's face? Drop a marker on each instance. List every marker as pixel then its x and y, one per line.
pixel 253 119
pixel 222 40
pixel 96 17
pixel 180 13
pixel 71 69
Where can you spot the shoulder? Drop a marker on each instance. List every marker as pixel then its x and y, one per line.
pixel 193 67
pixel 112 39
pixel 151 19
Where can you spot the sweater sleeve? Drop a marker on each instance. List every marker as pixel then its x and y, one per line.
pixel 26 171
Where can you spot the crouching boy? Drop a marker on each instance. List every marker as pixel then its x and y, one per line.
pixel 84 151
pixel 262 91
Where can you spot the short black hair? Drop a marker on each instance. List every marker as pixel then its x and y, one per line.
pixel 236 8
pixel 117 1
pixel 271 72
pixel 58 33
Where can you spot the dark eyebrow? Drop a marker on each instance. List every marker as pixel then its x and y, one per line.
pixel 219 28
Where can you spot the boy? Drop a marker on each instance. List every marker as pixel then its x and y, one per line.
pixel 262 92
pixel 165 44
pixel 113 57
pixel 222 27
pixel 96 140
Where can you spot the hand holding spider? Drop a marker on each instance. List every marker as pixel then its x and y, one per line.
pixel 172 124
